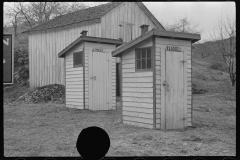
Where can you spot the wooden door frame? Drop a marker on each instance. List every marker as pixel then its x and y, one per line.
pixel 90 67
pixel 163 96
pixel 163 91
pixel 84 107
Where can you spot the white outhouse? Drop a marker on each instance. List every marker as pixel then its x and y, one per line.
pixel 90 73
pixel 156 79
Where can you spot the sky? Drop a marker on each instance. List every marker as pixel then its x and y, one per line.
pixel 206 14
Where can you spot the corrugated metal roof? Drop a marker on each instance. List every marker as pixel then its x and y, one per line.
pixel 78 16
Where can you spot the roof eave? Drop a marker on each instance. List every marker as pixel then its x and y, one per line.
pixel 98 20
pixel 89 39
pixel 178 35
pixel 62 53
pixel 164 34
pixel 132 43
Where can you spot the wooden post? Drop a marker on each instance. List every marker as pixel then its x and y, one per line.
pixel 84 75
pixel 154 82
pixel 191 88
pixel 163 93
pixel 65 78
pixel 121 88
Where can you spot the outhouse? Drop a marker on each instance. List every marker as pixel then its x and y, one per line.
pixel 156 79
pixel 90 73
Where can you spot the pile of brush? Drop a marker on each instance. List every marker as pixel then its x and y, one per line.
pixel 54 93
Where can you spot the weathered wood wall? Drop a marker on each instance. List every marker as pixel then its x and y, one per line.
pixel 74 81
pixel 130 16
pixel 45 66
pixel 161 45
pixel 88 47
pixel 137 91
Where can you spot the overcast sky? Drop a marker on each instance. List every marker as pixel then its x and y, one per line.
pixel 205 14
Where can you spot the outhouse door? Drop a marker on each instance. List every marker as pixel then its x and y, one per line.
pixel 100 80
pixel 175 91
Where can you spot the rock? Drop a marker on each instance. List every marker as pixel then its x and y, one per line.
pixel 208 109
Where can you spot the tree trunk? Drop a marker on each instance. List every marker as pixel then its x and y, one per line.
pixel 15 30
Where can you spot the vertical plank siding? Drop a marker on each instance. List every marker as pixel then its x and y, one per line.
pixel 161 44
pixel 112 90
pixel 125 14
pixel 137 91
pixel 45 66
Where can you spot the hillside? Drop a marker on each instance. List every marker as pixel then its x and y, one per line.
pixel 204 75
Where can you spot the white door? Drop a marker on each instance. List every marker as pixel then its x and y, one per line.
pixel 100 80
pixel 175 90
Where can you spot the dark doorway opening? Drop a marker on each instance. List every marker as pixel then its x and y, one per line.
pixel 118 76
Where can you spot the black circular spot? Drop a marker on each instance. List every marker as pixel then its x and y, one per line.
pixel 93 143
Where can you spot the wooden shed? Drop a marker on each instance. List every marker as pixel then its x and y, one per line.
pixel 156 79
pixel 90 73
pixel 111 20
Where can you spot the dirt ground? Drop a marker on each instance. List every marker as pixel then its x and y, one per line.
pixel 52 130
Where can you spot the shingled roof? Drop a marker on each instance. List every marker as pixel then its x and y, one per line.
pixel 78 16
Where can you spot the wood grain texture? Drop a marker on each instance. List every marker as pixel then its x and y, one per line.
pixel 161 45
pixel 175 94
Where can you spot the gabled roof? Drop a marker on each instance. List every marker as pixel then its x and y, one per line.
pixel 150 15
pixel 90 39
pixel 78 16
pixel 159 33
pixel 92 13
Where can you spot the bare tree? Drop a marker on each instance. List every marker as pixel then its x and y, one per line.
pixel 40 12
pixel 184 25
pixel 75 6
pixel 13 15
pixel 224 37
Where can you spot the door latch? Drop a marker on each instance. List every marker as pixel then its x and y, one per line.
pixel 93 78
pixel 183 61
pixel 166 85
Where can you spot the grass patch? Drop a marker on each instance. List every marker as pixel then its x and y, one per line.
pixel 52 130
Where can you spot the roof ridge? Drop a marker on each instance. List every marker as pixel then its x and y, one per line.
pixel 81 10
pixel 99 10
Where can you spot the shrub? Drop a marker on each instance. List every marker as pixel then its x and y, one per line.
pixel 217 66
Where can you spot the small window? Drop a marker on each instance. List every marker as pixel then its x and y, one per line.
pixel 78 59
pixel 143 59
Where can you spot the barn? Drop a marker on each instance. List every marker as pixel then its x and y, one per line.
pixel 90 73
pixel 111 20
pixel 156 79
